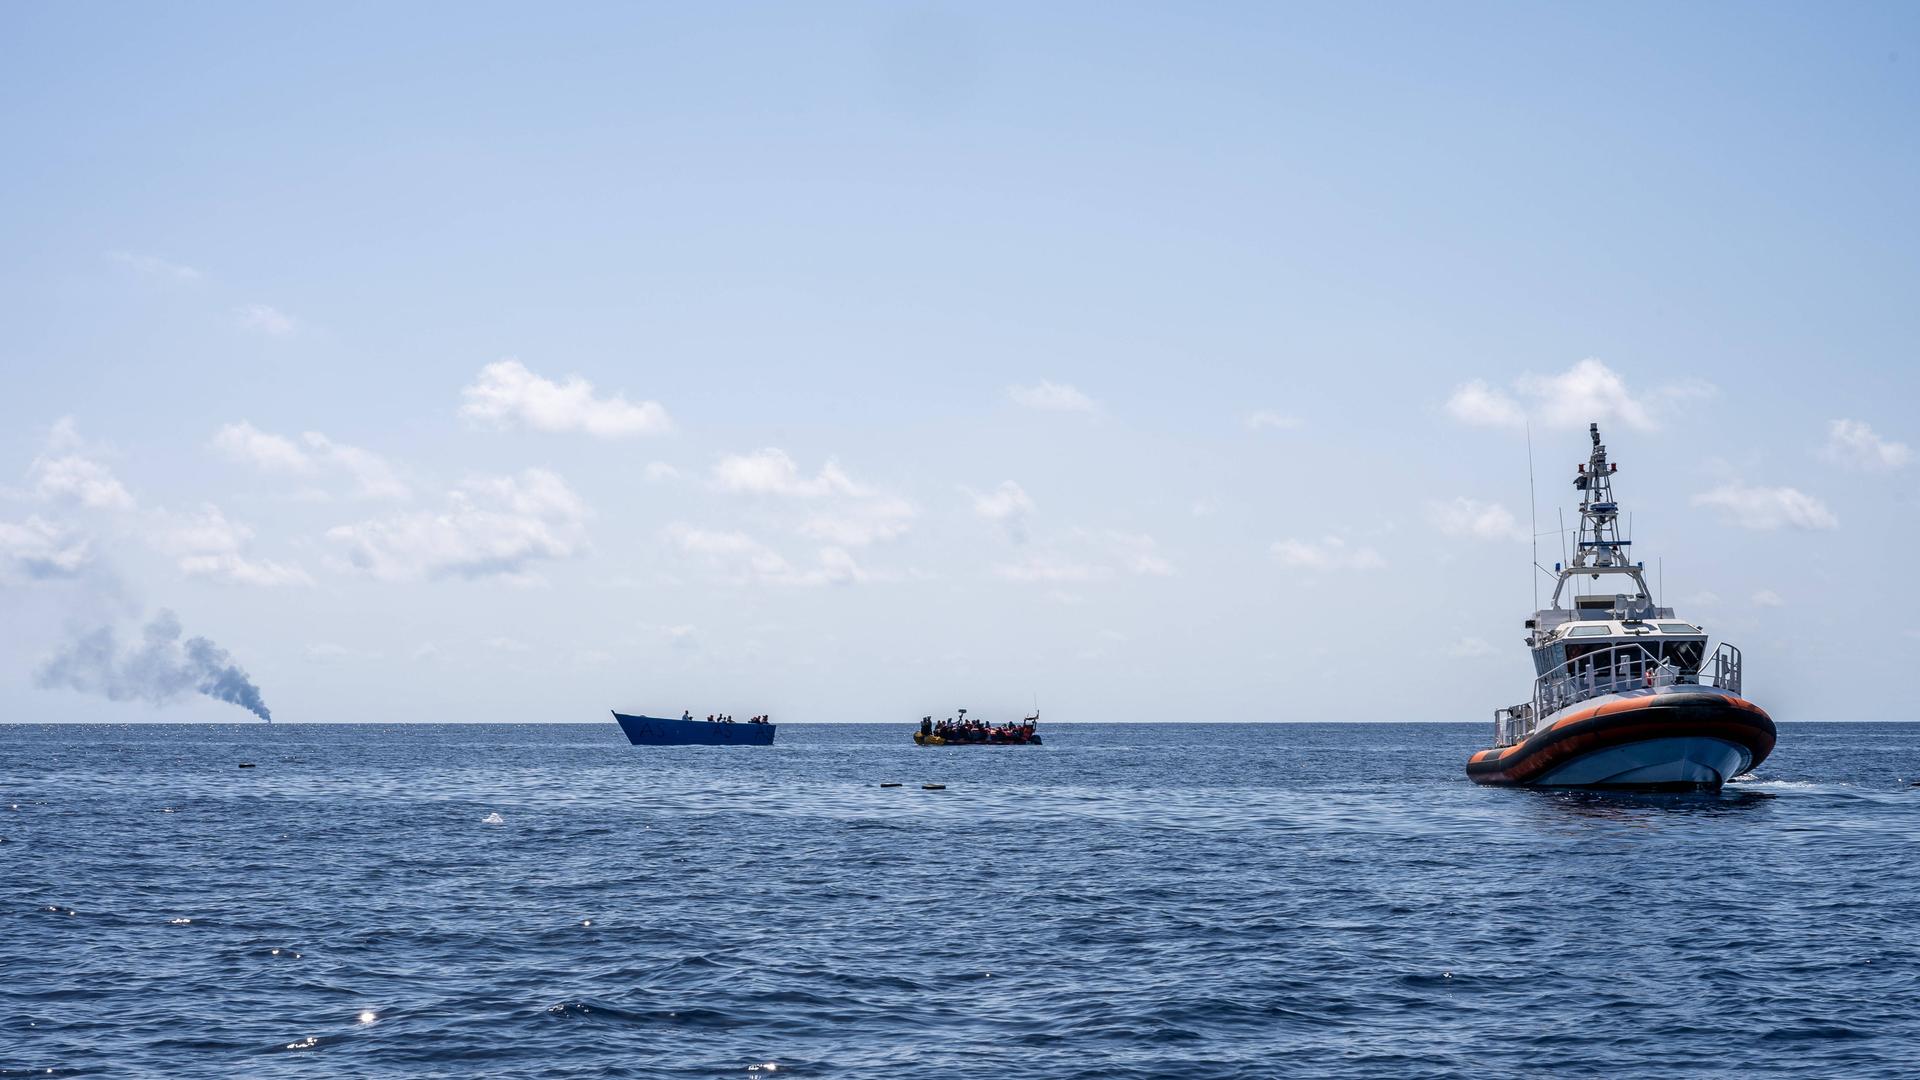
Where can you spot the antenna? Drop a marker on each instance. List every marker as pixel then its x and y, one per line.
pixel 1565 559
pixel 1533 524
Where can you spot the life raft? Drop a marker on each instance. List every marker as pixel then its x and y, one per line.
pixel 1680 737
pixel 922 739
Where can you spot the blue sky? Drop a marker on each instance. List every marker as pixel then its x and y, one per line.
pixel 861 362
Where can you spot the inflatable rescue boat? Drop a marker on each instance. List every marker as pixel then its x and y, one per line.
pixel 965 732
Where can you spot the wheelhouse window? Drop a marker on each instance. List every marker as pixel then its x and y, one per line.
pixel 1684 655
pixel 1590 631
pixel 1678 628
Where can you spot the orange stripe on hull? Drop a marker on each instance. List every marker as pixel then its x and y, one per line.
pixel 1623 721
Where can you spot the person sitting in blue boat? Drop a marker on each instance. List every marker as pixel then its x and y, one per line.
pixel 686 715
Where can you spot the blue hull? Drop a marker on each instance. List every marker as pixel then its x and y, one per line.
pixel 654 731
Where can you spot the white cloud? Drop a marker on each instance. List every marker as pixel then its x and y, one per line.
pixel 270 453
pixel 68 471
pixel 493 526
pixel 772 472
pixel 1589 391
pixel 1481 405
pixel 1470 648
pixel 231 569
pixel 659 472
pixel 265 320
pixel 1006 502
pixel 854 515
pixel 373 477
pixel 208 545
pixel 82 480
pixel 1852 443
pixel 1051 397
pixel 507 645
pixel 505 393
pixel 1263 419
pixel 1471 517
pixel 153 266
pixel 742 559
pixel 37 550
pixel 1138 553
pixel 1328 553
pixel 1768 598
pixel 1703 598
pixel 861 522
pixel 1205 507
pixel 1767 508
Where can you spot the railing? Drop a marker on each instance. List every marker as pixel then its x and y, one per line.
pixel 1726 668
pixel 1513 723
pixel 1609 670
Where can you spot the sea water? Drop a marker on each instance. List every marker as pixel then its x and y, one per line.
pixel 1126 901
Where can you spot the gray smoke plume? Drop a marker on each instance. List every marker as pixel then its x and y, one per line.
pixel 162 670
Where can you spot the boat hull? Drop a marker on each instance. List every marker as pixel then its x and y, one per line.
pixel 658 731
pixel 1682 737
pixel 935 740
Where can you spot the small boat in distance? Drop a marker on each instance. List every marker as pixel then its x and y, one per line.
pixel 965 732
pixel 686 731
pixel 1625 695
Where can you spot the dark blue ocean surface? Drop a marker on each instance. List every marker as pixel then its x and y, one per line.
pixel 1126 901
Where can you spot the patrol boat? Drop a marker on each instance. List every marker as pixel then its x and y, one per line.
pixel 1625 694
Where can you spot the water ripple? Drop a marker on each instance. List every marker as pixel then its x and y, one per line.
pixel 1165 901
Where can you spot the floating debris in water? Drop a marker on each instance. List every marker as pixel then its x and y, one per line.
pixel 889 785
pixel 765 1066
pixel 248 765
pixel 933 787
pixel 179 922
pixel 493 819
pixel 307 1043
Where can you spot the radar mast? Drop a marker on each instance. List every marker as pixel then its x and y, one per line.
pixel 1600 548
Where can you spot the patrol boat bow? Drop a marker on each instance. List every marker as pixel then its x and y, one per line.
pixel 1626 694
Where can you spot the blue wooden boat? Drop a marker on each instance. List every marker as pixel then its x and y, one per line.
pixel 659 731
